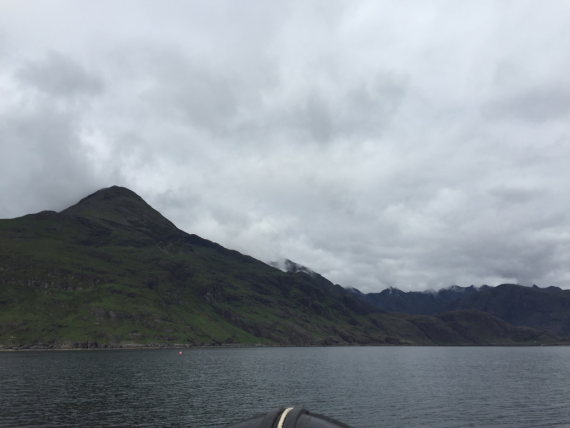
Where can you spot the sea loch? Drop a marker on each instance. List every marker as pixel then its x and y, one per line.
pixel 365 387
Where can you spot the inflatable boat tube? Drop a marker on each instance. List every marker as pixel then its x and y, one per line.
pixel 291 417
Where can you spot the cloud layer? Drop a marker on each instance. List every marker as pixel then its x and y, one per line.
pixel 409 144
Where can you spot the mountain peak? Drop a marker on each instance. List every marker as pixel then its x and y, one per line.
pixel 112 192
pixel 122 206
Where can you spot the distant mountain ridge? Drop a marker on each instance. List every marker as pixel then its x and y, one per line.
pixel 112 271
pixel 544 308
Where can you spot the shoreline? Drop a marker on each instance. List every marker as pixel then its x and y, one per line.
pixel 140 347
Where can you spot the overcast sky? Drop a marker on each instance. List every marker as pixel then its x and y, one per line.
pixel 414 144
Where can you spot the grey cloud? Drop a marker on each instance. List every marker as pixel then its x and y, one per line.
pixel 344 109
pixel 201 97
pixel 533 105
pixel 45 157
pixel 238 105
pixel 44 162
pixel 60 76
pixel 516 195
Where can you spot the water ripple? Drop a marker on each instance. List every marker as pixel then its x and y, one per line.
pixel 367 387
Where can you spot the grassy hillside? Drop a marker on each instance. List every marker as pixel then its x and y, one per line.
pixel 112 271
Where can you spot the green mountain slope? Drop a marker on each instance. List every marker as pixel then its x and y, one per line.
pixel 112 271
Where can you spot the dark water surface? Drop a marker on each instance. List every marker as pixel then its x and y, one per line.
pixel 363 386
